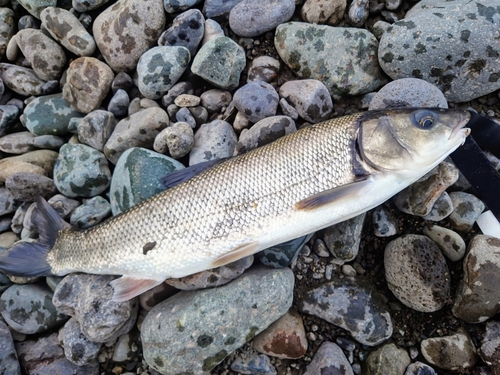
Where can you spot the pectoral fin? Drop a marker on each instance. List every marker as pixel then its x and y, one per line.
pixel 238 253
pixel 127 287
pixel 349 191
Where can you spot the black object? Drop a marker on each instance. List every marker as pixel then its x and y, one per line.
pixel 486 133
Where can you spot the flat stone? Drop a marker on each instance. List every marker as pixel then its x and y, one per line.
pixel 215 140
pixel 450 242
pixel 174 6
pixel 8 114
pixel 218 8
pixel 25 187
pixel 35 7
pixel 40 161
pixel 17 143
pixel 419 368
pixel 214 100
pixel 263 68
pixel 467 209
pixel 256 100
pixel 77 348
pixel 329 358
pixel 23 81
pixel 343 239
pixel 7 28
pixel 490 346
pixel 91 212
pixel 187 30
pixel 95 129
pixel 83 6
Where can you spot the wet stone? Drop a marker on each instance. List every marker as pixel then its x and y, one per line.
pixel 95 129
pixel 388 360
pixel 329 358
pixel 118 104
pixel 467 209
pixel 8 117
pixel 419 368
pixel 9 364
pixel 17 143
pixel 177 140
pixel 256 100
pixel 283 254
pixel 23 81
pixel 490 346
pixel 187 30
pixel 77 348
pixel 343 239
pixel 323 11
pixel 91 212
pixel 384 224
pixel 7 28
pixel 214 100
pixel 253 364
pixel 451 243
pixel 25 187
pixel 215 140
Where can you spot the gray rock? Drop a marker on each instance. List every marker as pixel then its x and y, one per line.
pixel 253 364
pixel 160 68
pixel 283 254
pixel 95 129
pixel 442 208
pixel 66 29
pixel 125 31
pixel 18 218
pixel 323 11
pixel 28 309
pixel 7 28
pixel 263 132
pixel 122 81
pixel 212 30
pixel 9 364
pixel 220 61
pixel 8 115
pixel 87 298
pixel 351 304
pixel 256 100
pixel 123 349
pixel 86 5
pixel 35 7
pixel 137 177
pixel 450 242
pixel 200 114
pixel 384 224
pixel 325 53
pixel 81 171
pixel 387 360
pixel 187 30
pixel 408 92
pixel 5 222
pixel 343 239
pixel 358 12
pixel 288 110
pixel 185 116
pixel 40 161
pixel 23 81
pixel 137 130
pixel 177 139
pixel 411 47
pixel 77 348
pixel 229 316
pixel 490 346
pixel 219 8
pixel 50 142
pixel 7 202
pixel 7 239
pixel 478 296
pixel 329 358
pixel 91 212
pixel 215 140
pixel 187 100
pixel 177 90
pixel 17 143
pixel 263 68
pixel 25 186
pixel 174 6
pixel 214 100
pixel 467 209
pixel 249 18
pixel 63 205
pixel 310 98
pixel 118 104
pixel 454 352
pixel 154 296
pixel 419 368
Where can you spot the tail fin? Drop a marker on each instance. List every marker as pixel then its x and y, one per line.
pixel 29 258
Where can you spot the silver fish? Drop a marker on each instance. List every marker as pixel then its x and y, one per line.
pixel 303 182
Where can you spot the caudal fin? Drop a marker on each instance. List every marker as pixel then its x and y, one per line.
pixel 30 258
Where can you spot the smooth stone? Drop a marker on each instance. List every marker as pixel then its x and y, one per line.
pixel 137 130
pixel 123 349
pixel 7 239
pixel 288 110
pixel 7 202
pixel 285 338
pixel 419 368
pixel 25 187
pixel 91 212
pixel 417 273
pixel 122 81
pixel 177 139
pixel 219 9
pixel 133 178
pixel 253 364
pixel 184 115
pixel 323 11
pixel 199 113
pixel 118 104
pixel 454 352
pixel 9 365
pixel 329 359
pixel 351 304
pixel 343 239
pixel 23 81
pixel 7 28
pixel 451 243
pixel 263 132
pixel 229 316
pixel 5 223
pixel 49 115
pixel 478 295
pixel 29 309
pixel 490 346
pixel 326 51
pixel 250 18
pixel 77 348
pixel 256 100
pixel 240 122
pixel 384 224
pixel 44 54
pixel 63 205
pixel 8 116
pixel 50 142
pixel 310 98
pixel 442 208
pixel 87 298
pixel 358 12
pixel 387 360
pixel 408 92
pixel 212 30
pixel 95 129
pixel 283 254
pixel 187 100
pixel 18 218
pixel 174 6
pixel 263 68
pixel 220 62
pixel 81 171
pixel 35 7
pixel 160 68
pixel 187 30
pixel 215 140
pixel 17 143
pixel 39 161
pixel 214 277
pixel 83 6
pixel 215 99
pixel 28 22
pixel 467 209
pixel 124 31
pixel 178 89
pixel 154 296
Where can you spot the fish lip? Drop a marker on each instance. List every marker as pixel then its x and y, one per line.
pixel 461 129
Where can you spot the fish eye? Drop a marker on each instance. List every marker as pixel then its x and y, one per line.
pixel 423 119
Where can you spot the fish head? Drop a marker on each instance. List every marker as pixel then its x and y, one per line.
pixel 411 139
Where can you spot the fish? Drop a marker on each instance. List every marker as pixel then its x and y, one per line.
pixel 318 176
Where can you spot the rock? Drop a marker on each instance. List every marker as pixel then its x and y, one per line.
pixel 285 338
pixel 23 81
pixel 77 348
pixel 490 346
pixel 219 9
pixel 134 177
pixel 256 100
pixel 8 114
pixel 184 115
pixel 263 132
pixel 137 130
pixel 384 224
pixel 478 297
pixel 45 56
pixel 467 209
pixel 49 115
pixel 417 273
pixel 454 352
pixel 419 368
pixel 263 68
pixel 25 187
pixel 123 350
pixel 81 171
pixel 91 212
pixel 212 30
pixel 118 104
pixel 7 202
pixel 351 304
pixel 40 161
pixel 229 316
pixel 187 30
pixel 7 239
pixel 220 62
pixel 7 17
pixel 63 205
pixel 410 48
pixel 249 18
pixel 154 296
pixel 177 139
pixel 215 140
pixel 387 360
pixel 124 31
pixel 187 100
pixel 17 143
pixel 343 239
pixel 253 364
pixel 87 298
pixel 214 100
pixel 408 92
pixel 323 11
pixel 358 12
pixel 35 7
pixel 325 53
pixel 442 208
pixel 283 254
pixel 9 364
pixel 450 242
pixel 178 89
pixel 174 6
pixel 83 6
pixel 18 218
pixel 329 359
pixel 95 129
pixel 51 142
pixel 28 309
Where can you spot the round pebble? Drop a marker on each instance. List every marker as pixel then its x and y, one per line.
pixel 177 139
pixel 256 100
pixel 187 30
pixel 451 243
pixel 215 140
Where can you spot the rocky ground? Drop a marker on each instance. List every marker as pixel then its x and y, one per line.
pixel 101 99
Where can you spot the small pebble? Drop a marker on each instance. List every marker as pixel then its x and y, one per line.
pixel 177 139
pixel 451 243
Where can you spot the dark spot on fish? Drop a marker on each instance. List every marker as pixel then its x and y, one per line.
pixel 147 247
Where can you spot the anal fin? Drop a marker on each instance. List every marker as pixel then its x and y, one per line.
pixel 235 254
pixel 128 287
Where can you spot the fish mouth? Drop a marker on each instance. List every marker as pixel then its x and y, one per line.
pixel 460 130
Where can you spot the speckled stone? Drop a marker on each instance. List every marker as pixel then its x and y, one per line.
pixel 343 239
pixel 467 208
pixel 35 7
pixel 329 358
pixel 218 9
pixel 283 254
pixel 124 31
pixel 208 325
pixel 174 6
pixel 323 52
pixel 215 140
pixel 384 224
pixel 66 29
pixel 23 81
pixel 214 100
pixel 419 368
pixel 63 205
pixel 442 208
pixel 490 346
pixel 451 243
pixel 40 161
pixel 256 100
pixel 77 348
pixel 8 117
pixel 7 28
pixel 358 12
pixel 177 140
pixel 91 212
pixel 253 364
pixel 388 359
pixel 25 187
pixel 118 104
pixel 323 11
pixel 263 68
pixel 187 30
pixel 17 143
pixel 49 142
pixel 9 364
pixel 81 171
pixel 83 6
pixel 95 129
